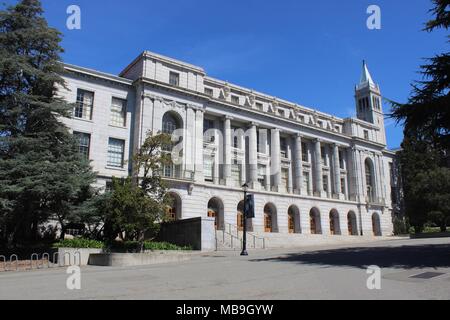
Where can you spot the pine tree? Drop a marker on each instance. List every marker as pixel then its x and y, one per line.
pixel 41 174
pixel 425 157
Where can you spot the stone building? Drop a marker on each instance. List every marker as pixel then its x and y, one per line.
pixel 310 172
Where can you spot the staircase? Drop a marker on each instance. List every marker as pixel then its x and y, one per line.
pixel 230 239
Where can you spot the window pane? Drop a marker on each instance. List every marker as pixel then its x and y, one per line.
pixel 84 105
pixel 116 152
pixel 118 112
pixel 84 142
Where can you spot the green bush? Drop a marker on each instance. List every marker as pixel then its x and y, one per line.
pixel 79 243
pixel 127 246
pixel 148 245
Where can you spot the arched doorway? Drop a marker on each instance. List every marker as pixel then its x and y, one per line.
pixel 240 218
pixel 376 225
pixel 352 224
pixel 215 210
pixel 294 219
pixel 335 228
pixel 314 219
pixel 173 207
pixel 270 218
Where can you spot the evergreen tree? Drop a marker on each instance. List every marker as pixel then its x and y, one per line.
pixel 425 158
pixel 41 174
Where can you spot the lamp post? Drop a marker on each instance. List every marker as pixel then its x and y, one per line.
pixel 244 238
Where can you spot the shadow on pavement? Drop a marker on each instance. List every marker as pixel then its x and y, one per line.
pixel 406 257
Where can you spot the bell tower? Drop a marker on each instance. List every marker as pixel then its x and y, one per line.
pixel 369 106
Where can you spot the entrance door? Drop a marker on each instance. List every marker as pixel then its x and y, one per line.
pixel 267 222
pixel 350 226
pixel 240 221
pixel 213 214
pixel 332 226
pixel 312 221
pixel 171 213
pixel 291 223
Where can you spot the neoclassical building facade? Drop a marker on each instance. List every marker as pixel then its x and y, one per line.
pixel 310 172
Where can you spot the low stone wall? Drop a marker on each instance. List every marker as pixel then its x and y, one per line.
pixel 70 256
pixel 137 259
pixel 198 233
pixel 430 235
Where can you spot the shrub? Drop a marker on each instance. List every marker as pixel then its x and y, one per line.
pixel 79 243
pixel 163 246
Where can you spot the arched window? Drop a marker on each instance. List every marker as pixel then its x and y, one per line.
pixel 215 210
pixel 270 218
pixel 369 180
pixel 169 124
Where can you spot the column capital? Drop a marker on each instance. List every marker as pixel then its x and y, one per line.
pixel 227 117
pixel 298 135
pixel 275 129
pixel 253 124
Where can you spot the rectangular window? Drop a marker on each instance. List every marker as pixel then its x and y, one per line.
pixel 324 156
pixel 343 185
pixel 341 160
pixel 262 174
pixel 118 112
pixel 209 92
pixel 84 143
pixel 366 134
pixel 259 106
pixel 325 183
pixel 116 149
pixel 174 78
pixel 305 152
pixel 285 178
pixel 208 168
pixel 305 185
pixel 235 99
pixel 84 105
pixel 207 126
pixel 283 147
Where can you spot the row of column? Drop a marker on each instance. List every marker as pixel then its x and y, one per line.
pixel 275 157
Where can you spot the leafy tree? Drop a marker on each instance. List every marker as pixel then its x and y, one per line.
pixel 425 149
pixel 41 174
pixel 135 206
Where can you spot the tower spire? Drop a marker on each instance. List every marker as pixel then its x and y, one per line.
pixel 365 76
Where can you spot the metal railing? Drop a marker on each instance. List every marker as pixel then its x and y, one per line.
pixel 235 234
pixel 13 263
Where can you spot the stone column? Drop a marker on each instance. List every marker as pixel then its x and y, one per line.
pixel 337 171
pixel 253 156
pixel 227 151
pixel 189 137
pixel 198 176
pixel 275 158
pixel 290 174
pixel 318 168
pixel 298 162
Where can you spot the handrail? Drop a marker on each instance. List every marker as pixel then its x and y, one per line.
pixel 229 226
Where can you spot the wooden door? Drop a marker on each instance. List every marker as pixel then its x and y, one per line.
pixel 240 221
pixel 213 214
pixel 291 223
pixel 332 226
pixel 312 221
pixel 350 226
pixel 267 222
pixel 171 213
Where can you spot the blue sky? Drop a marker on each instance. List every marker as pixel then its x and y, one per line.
pixel 308 52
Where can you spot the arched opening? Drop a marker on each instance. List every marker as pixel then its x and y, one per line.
pixel 294 219
pixel 376 225
pixel 173 208
pixel 171 122
pixel 314 219
pixel 370 180
pixel 270 218
pixel 335 228
pixel 352 224
pixel 240 218
pixel 215 210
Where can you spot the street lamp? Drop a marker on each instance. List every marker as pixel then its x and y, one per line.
pixel 244 239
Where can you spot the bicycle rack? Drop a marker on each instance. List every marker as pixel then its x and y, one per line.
pixel 56 259
pixel 65 255
pixel 33 256
pixel 77 253
pixel 46 257
pixel 16 259
pixel 3 261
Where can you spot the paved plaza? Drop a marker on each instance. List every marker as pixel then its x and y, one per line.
pixel 330 272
